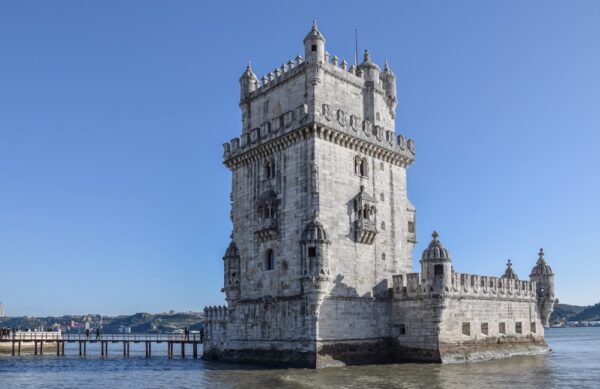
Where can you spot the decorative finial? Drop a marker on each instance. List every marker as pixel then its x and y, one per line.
pixel 314 24
pixel 366 56
pixel 385 65
pixel 435 235
pixel 541 256
pixel 249 67
pixel 509 263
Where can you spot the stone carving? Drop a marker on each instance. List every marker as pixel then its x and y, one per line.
pixel 411 145
pixel 315 178
pixel 288 118
pixel 401 142
pixel 378 132
pixel 355 122
pixel 341 117
pixel 327 112
pixel 368 128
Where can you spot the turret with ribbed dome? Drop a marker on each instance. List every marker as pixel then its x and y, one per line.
pixel 509 272
pixel 248 82
pixel 314 262
pixel 544 277
pixel 436 265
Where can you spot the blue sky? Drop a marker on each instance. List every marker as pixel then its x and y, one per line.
pixel 113 196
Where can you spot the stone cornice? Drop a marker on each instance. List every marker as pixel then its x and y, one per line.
pixel 322 132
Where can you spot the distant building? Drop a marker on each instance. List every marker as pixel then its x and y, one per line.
pixel 319 271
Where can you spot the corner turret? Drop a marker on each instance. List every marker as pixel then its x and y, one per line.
pixel 436 266
pixel 388 81
pixel 544 277
pixel 314 45
pixel 509 272
pixel 248 82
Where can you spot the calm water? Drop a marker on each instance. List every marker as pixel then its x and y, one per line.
pixel 574 363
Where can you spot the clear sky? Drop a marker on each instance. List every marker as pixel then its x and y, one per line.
pixel 113 196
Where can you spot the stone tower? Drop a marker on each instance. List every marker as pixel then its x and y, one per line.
pixel 544 277
pixel 320 213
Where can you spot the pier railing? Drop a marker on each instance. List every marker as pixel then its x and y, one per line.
pixel 71 337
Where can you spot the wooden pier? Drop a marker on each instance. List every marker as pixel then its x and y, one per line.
pixel 56 341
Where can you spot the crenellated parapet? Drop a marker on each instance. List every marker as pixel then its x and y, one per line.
pixel 462 285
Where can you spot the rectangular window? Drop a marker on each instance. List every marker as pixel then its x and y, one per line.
pixel 484 328
pixel 466 328
pixel 401 329
pixel 411 227
pixel 312 252
pixel 313 48
pixel 438 270
pixel 533 328
pixel 502 328
pixel 518 327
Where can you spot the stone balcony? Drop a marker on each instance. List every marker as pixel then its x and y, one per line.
pixel 267 229
pixel 365 230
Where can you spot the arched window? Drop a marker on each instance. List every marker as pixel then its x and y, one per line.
pixel 269 260
pixel 357 165
pixel 382 197
pixel 366 212
pixel 383 226
pixel 269 169
pixel 377 117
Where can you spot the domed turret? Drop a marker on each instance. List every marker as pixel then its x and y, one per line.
pixel 544 277
pixel 435 250
pixel 388 81
pixel 541 268
pixel 248 82
pixel 314 232
pixel 231 264
pixel 370 69
pixel 314 45
pixel 436 266
pixel 314 257
pixel 509 273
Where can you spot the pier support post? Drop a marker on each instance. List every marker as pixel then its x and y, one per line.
pixel 62 348
pixel 19 349
pixel 149 349
pixel 127 348
pixel 124 349
pixel 182 349
pixel 42 347
pixel 57 348
pixel 84 348
pixel 13 348
pixel 34 347
pixel 80 348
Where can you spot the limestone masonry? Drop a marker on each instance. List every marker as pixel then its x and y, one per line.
pixel 319 269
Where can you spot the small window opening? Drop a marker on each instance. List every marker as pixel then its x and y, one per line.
pixel 383 226
pixel 502 328
pixel 383 257
pixel 270 260
pixel 533 328
pixel 381 166
pixel 313 48
pixel 484 328
pixel 411 227
pixel 402 329
pixel 363 167
pixel 519 327
pixel 466 328
pixel 312 252
pixel 377 116
pixel 438 270
pixel 382 197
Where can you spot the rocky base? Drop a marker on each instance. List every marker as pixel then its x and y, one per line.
pixel 493 349
pixel 383 351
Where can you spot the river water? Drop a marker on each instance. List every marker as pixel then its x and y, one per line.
pixel 573 363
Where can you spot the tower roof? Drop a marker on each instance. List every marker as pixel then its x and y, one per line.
pixel 314 231
pixel 248 73
pixel 509 273
pixel 232 250
pixel 314 33
pixel 367 63
pixel 435 250
pixel 541 267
